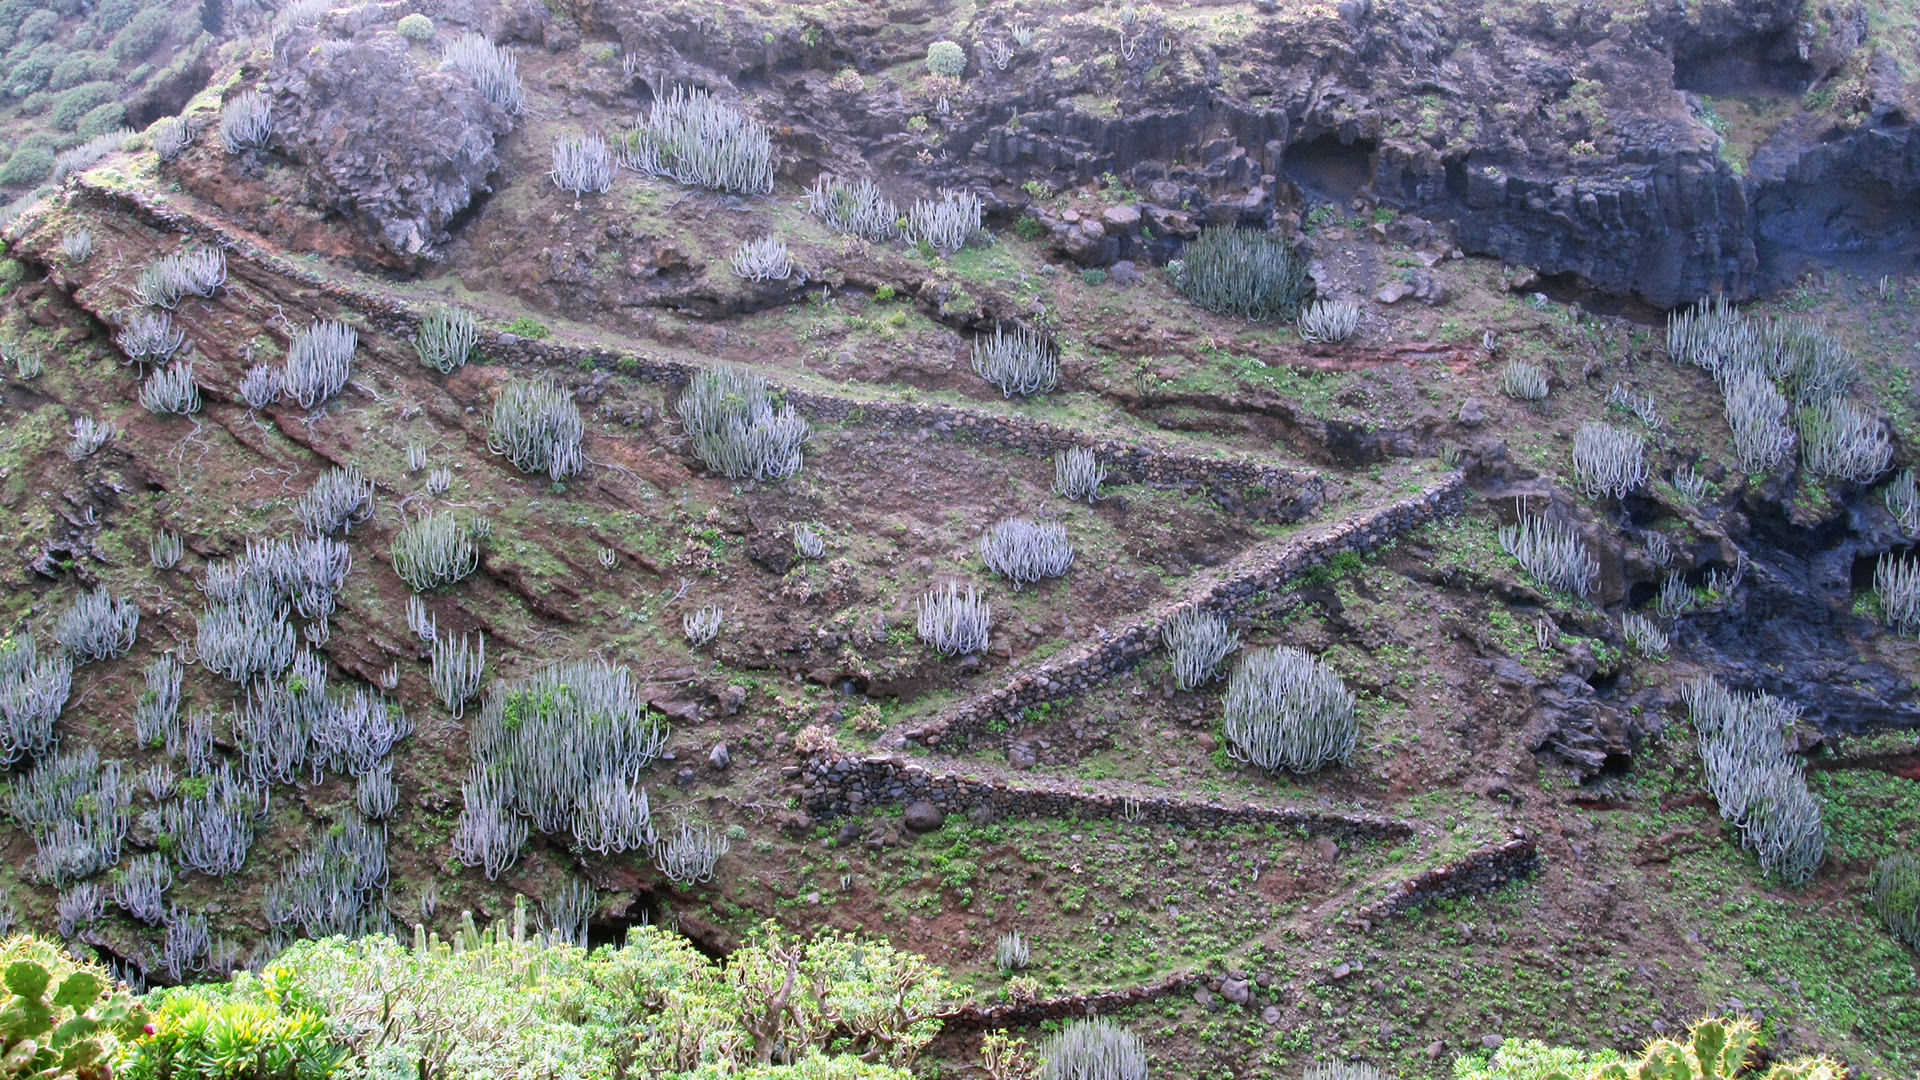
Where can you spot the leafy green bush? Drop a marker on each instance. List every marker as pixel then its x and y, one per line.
pixel 525 327
pixel 946 58
pixel 249 1028
pixel 79 101
pixel 59 1018
pixel 145 32
pixel 416 26
pixel 1530 1059
pixel 500 1002
pixel 102 120
pixel 28 166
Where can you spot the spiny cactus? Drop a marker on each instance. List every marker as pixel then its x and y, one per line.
pixel 689 853
pixel 1287 710
pixel 1328 321
pixel 953 622
pixel 858 208
pixel 1896 896
pixel 1608 461
pixel 736 428
pixel 60 1018
pixel 171 391
pixel 434 551
pixel 246 122
pixel 1077 473
pixel 1197 641
pixel 446 337
pixel 1010 953
pixel 339 499
pixel 1253 275
pixel 319 362
pixel 1094 1049
pixel 491 67
pixel 703 625
pixel 765 259
pixel 698 141
pixel 947 223
pixel 1523 380
pixel 150 337
pixel 582 166
pixel 1017 360
pixel 97 626
pixel 536 425
pixel 1714 1049
pixel 1024 551
pixel 1552 552
pixel 1761 789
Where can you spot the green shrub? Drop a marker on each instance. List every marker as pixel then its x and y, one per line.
pixel 69 107
pixel 71 72
pixel 111 15
pixel 39 26
pixel 102 120
pixel 415 26
pixel 144 33
pixel 946 58
pixel 528 328
pixel 1254 275
pixel 28 166
pixel 245 1029
pixel 1530 1059
pixel 501 1002
pixel 32 69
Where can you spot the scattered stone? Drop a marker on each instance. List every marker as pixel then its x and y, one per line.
pixel 1341 971
pixel 1491 1042
pixel 1393 292
pixel 1237 991
pixel 923 817
pixel 1271 1015
pixel 983 815
pixel 1435 1049
pixel 849 833
pixel 718 757
pixel 1203 997
pixel 1472 413
pixel 1020 755
pixel 1327 848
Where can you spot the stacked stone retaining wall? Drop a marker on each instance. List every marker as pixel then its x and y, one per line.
pixel 844 786
pixel 1260 570
pixel 1475 873
pixel 1091 1003
pixel 1263 491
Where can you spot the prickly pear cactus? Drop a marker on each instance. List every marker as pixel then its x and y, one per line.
pixel 59 1019
pixel 1714 1050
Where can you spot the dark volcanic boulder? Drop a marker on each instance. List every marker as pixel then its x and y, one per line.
pixel 387 138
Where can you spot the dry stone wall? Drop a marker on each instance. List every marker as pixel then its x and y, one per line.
pixel 1477 872
pixel 1092 1003
pixel 1261 570
pixel 1263 491
pixel 846 786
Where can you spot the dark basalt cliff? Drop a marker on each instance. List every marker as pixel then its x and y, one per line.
pixel 1571 139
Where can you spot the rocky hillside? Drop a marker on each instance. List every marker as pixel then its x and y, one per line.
pixel 877 467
